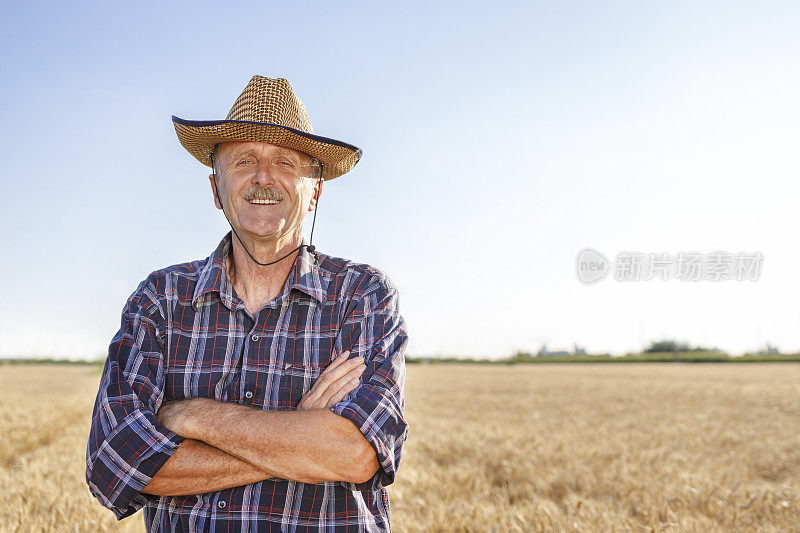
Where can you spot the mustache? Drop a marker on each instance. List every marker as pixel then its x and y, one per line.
pixel 257 193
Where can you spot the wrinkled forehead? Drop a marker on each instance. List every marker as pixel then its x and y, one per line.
pixel 235 148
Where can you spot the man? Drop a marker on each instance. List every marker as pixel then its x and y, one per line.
pixel 261 388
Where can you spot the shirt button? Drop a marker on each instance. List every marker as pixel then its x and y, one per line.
pixel 221 504
pixel 254 338
pixel 248 394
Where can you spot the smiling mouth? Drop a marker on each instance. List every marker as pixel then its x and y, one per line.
pixel 264 202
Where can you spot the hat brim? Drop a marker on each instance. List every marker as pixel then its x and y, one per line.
pixel 199 137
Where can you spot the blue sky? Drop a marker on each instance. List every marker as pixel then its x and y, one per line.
pixel 499 140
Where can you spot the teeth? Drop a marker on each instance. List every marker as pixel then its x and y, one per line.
pixel 268 202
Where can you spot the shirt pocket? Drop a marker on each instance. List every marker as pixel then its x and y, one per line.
pixel 296 381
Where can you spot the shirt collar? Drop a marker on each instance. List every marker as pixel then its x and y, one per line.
pixel 305 276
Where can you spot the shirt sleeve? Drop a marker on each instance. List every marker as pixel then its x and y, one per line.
pixel 126 445
pixel 376 331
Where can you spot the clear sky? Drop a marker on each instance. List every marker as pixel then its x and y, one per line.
pixel 499 140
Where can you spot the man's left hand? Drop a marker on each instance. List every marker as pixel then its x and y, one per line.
pixel 339 378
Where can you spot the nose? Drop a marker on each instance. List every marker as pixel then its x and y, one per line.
pixel 264 174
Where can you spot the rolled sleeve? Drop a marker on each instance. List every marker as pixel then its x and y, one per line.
pixel 126 445
pixel 377 332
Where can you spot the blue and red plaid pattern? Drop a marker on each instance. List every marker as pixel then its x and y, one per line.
pixel 186 334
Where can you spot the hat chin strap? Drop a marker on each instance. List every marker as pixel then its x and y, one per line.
pixel 309 247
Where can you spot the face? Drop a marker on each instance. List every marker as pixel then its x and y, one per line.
pixel 267 190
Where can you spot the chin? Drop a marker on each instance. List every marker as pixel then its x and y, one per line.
pixel 261 231
pixel 259 226
pixel 262 234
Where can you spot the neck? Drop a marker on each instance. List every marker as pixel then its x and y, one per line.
pixel 255 284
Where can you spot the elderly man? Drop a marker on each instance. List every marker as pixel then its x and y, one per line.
pixel 260 388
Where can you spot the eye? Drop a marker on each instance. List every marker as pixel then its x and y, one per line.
pixel 244 162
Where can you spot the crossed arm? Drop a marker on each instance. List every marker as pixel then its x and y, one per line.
pixel 139 445
pixel 229 445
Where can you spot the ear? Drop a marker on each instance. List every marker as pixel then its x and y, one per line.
pixel 214 191
pixel 317 191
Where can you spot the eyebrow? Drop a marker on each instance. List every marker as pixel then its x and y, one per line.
pixel 297 156
pixel 240 152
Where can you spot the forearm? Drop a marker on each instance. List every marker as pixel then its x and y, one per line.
pixel 311 446
pixel 196 467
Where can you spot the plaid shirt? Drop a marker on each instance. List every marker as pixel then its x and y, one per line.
pixel 186 334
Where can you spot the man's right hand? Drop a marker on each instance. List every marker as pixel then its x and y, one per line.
pixel 339 378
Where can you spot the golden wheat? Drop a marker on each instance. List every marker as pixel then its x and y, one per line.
pixel 566 447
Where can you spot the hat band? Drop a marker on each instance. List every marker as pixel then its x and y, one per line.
pixel 312 136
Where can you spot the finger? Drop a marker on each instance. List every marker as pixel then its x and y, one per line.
pixel 333 397
pixel 321 394
pixel 344 380
pixel 320 383
pixel 349 387
pixel 339 359
pixel 330 376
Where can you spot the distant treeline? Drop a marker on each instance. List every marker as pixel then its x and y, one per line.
pixel 47 361
pixel 660 351
pixel 646 357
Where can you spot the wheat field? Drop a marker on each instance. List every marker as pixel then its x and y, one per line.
pixel 561 447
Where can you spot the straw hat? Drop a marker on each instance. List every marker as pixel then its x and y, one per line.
pixel 268 111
